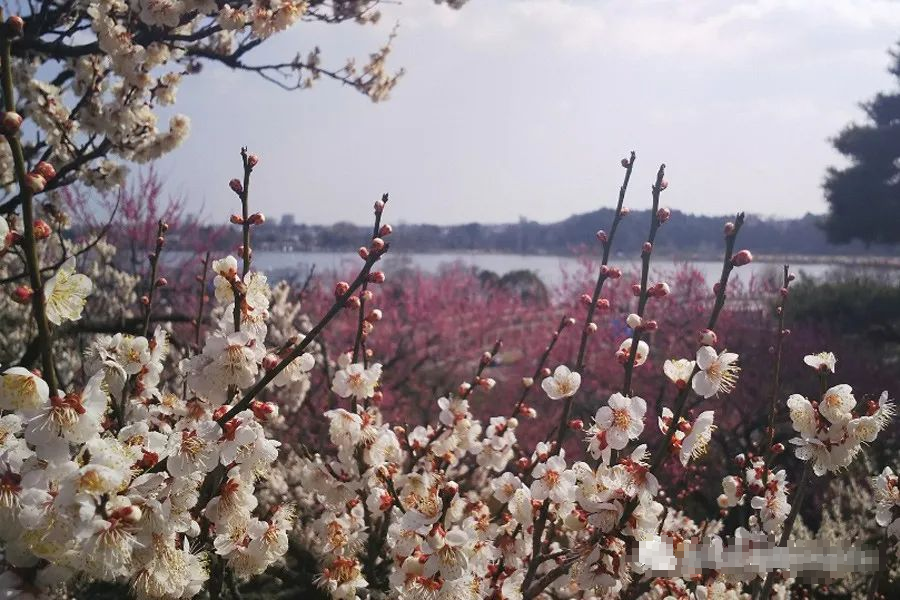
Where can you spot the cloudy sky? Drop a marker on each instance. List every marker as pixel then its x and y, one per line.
pixel 516 108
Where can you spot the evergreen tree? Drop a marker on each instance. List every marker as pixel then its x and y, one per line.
pixel 864 197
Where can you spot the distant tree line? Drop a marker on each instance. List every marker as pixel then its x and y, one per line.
pixel 686 236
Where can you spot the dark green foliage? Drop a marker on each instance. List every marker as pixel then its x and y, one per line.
pixel 865 197
pixel 863 307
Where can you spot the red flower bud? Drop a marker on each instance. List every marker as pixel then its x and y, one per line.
pixel 35 182
pixel 615 272
pixel 625 162
pixel 42 230
pixel 663 184
pixel 602 236
pixel 663 215
pixel 708 337
pixel 16 25
pixel 363 252
pixel 729 228
pixel 545 372
pixel 237 219
pixel 742 258
pixel 367 295
pixel 585 299
pixel 11 122
pixel 636 289
pixel 22 294
pixel 602 304
pixel 257 219
pixel 236 186
pixel 379 206
pixel 778 448
pixel 376 277
pixel 591 328
pixel 647 248
pixel 341 288
pixel 576 424
pixel 353 302
pixel 162 282
pixel 145 300
pixel 377 244
pixel 45 169
pixel 385 230
pixel 252 160
pixel 624 212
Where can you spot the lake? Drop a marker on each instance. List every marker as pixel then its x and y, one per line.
pixel 549 268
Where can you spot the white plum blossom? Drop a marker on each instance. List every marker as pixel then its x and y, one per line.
pixel 562 384
pixel 679 371
pixel 66 293
pixel 615 424
pixel 624 352
pixel 22 390
pixel 552 480
pixel 697 439
pixel 823 361
pixel 357 381
pixel 718 373
pixel 837 402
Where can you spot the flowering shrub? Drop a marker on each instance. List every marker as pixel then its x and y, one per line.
pixel 151 461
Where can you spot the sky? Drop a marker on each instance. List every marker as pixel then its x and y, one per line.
pixel 524 108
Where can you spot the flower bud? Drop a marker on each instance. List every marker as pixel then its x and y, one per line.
pixel 636 289
pixel 585 299
pixel 367 295
pixel 363 252
pixel 527 382
pixel 376 277
pixel 523 463
pixel 576 424
pixel 377 397
pixel 651 325
pixel 341 288
pixel 615 272
pixel 729 228
pixel 263 411
pixel 374 316
pixel 708 337
pixel 660 290
pixel 742 258
pixel 778 448
pixel 570 321
pixel 663 215
pixel 42 230
pixel 545 372
pixel 591 328
pixel 11 121
pixel 257 219
pixel 663 184
pixel 353 303
pixel 634 320
pixel 145 300
pixel 624 211
pixel 625 162
pixel 379 206
pixel 236 186
pixel 647 248
pixel 22 294
pixel 377 244
pixel 270 361
pixel 252 160
pixel 602 304
pixel 237 219
pixel 162 282
pixel 385 230
pixel 602 236
pixel 45 169
pixel 16 25
pixel 784 292
pixel 35 182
